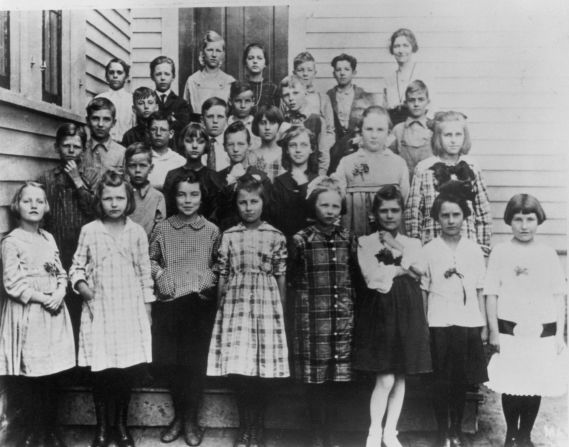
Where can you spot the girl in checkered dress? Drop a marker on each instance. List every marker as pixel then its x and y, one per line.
pixel 182 249
pixel 249 341
pixel 323 265
pixel 111 272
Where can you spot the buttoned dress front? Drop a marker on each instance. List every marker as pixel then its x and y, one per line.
pixel 117 269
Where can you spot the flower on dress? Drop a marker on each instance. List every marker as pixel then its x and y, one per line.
pixel 385 256
pixel 360 168
pixel 518 270
pixel 51 268
pixel 453 271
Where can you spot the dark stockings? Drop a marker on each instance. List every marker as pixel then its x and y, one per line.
pixel 186 385
pixel 520 413
pixel 40 394
pixel 251 396
pixel 449 402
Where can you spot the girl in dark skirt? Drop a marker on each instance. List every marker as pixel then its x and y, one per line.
pixel 456 313
pixel 391 335
pixel 182 249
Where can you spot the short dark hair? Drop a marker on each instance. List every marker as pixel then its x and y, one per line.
pixel 236 127
pixel 255 45
pixel 159 115
pixel 189 177
pixel 272 113
pixel 15 203
pixel 116 60
pixel 143 93
pixel 452 198
pixel 113 178
pixel 136 149
pixel 70 130
pixel 193 130
pixel 405 32
pixel 301 58
pixel 252 182
pixel 416 86
pixel 100 103
pixel 385 194
pixel 345 57
pixel 287 136
pixel 324 184
pixel 525 204
pixel 379 111
pixel 162 60
pixel 239 87
pixel 212 102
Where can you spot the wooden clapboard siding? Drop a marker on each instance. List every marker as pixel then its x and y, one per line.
pixel 108 35
pixel 491 60
pixel 154 33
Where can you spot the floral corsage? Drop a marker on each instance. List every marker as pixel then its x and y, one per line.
pixel 385 256
pixel 51 268
pixel 360 169
pixel 519 270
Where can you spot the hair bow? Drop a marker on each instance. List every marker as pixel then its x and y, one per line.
pixel 461 175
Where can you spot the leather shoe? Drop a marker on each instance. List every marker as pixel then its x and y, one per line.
pixel 172 432
pixel 194 435
pixel 53 439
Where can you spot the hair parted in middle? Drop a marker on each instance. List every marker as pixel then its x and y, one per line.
pixel 439 121
pixel 525 204
pixel 193 130
pixel 113 178
pixel 284 141
pixel 321 185
pixel 15 203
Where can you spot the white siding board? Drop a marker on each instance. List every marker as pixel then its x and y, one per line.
pixel 153 24
pixel 102 23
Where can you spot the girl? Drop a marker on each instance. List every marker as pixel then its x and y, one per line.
pixel 369 168
pixel 211 80
pixel 526 316
pixel 392 338
pixel 36 337
pixel 255 60
pixel 323 263
pixel 249 341
pixel 288 208
pixel 267 156
pixel 455 311
pixel 194 143
pixel 242 101
pixel 451 143
pixel 111 272
pixel 181 254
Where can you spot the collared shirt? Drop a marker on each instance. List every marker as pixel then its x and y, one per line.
pixel 122 100
pixel 104 155
pixel 219 159
pixel 182 254
pixel 201 86
pixel 452 299
pixel 150 207
pixel 344 100
pixel 164 163
pixel 162 96
pixel 412 141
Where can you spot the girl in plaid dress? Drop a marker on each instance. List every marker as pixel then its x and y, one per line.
pixel 323 265
pixel 36 337
pixel 111 272
pixel 249 341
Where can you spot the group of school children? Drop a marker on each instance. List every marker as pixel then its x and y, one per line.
pixel 261 232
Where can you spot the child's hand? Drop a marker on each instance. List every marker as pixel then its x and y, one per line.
pixel 559 344
pixel 484 334
pixel 148 312
pixel 85 291
pixel 494 341
pixel 72 171
pixel 52 302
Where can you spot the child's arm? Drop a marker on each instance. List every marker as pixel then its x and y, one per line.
pixel 325 142
pixel 78 270
pixel 425 302
pixel 492 317
pixel 413 215
pixel 560 308
pixel 142 265
pixel 482 307
pixel 404 180
pixel 281 284
pixel 208 282
pixel 482 214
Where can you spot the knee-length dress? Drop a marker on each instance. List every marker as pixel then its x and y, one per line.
pixel 391 333
pixel 115 331
pixel 322 271
pixel 526 279
pixel 33 341
pixel 249 330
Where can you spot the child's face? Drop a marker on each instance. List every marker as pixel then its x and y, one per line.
pixel 375 130
pixel 450 219
pixel 194 147
pixel 160 134
pixel 114 201
pixel 524 226
pixel 188 199
pixel 250 206
pixel 163 76
pixel 255 62
pixel 70 148
pixel 306 71
pixel 299 149
pixel 343 73
pixel 294 97
pixel 402 50
pixel 417 103
pixel 328 207
pixel 215 121
pixel 32 204
pixel 389 215
pixel 213 54
pixel 116 76
pixel 145 107
pixel 243 104
pixel 452 137
pixel 268 130
pixel 101 122
pixel 138 167
pixel 236 146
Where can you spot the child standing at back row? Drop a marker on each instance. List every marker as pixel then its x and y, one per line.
pixel 242 104
pixel 255 60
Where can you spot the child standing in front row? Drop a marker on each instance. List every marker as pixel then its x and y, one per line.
pixel 452 290
pixel 182 250
pixel 36 337
pixel 323 269
pixel 526 316
pixel 111 272
pixel 249 342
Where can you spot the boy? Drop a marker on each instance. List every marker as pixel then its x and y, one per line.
pixel 236 140
pixel 242 101
pixel 344 95
pixel 150 204
pixel 144 104
pixel 101 152
pixel 293 95
pixel 412 138
pixel 163 73
pixel 160 134
pixel 214 119
pixel 116 74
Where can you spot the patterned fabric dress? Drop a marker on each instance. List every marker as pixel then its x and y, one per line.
pixel 249 331
pixel 322 267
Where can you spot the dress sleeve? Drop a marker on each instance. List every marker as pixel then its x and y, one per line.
pixel 557 278
pixel 279 256
pixel 482 216
pixel 404 180
pixel 142 266
pixel 413 215
pixel 222 262
pixel 210 278
pixel 377 275
pixel 325 142
pixel 61 273
pixel 81 259
pixel 492 281
pixel 14 275
pixel 427 277
pixel 155 250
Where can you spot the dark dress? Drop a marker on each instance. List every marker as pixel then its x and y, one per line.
pixel 178 110
pixel 391 333
pixel 266 93
pixel 136 134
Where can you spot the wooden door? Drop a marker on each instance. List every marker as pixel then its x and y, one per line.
pixel 239 26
